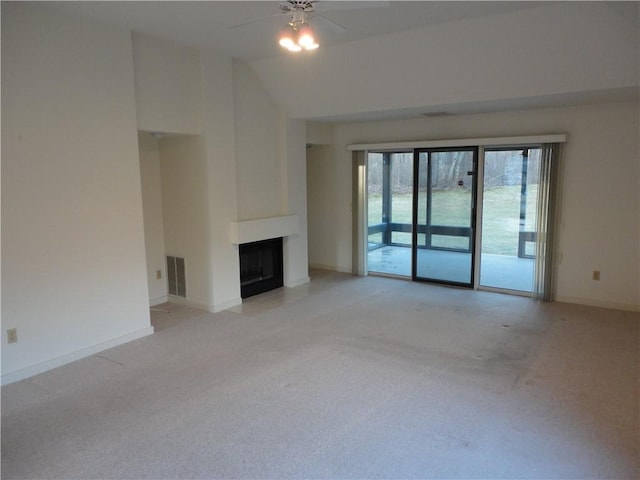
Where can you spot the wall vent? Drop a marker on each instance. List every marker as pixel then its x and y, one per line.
pixel 176 277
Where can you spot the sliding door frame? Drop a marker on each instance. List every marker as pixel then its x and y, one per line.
pixel 480 215
pixel 473 215
pixel 360 248
pixel 360 153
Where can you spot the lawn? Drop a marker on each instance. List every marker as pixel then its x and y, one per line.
pixel 501 215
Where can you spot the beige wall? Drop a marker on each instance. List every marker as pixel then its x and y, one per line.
pixel 77 276
pixel 258 148
pixel 294 200
pixel 219 138
pixel 183 169
pixel 167 86
pixel 248 163
pixel 598 227
pixel 153 217
pixel 73 256
pixel 241 167
pixel 321 180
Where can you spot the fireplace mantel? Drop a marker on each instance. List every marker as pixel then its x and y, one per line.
pixel 264 228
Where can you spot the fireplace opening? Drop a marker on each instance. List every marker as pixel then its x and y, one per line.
pixel 260 266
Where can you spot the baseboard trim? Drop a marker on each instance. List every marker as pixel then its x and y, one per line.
pixel 298 282
pixel 72 357
pixel 330 268
pixel 207 307
pixel 153 302
pixel 188 303
pixel 218 307
pixel 628 307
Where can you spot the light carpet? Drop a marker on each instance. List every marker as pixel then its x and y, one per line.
pixel 346 377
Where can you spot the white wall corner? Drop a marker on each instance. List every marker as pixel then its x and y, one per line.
pixel 297 282
pixel 219 307
pixel 72 357
pixel 158 301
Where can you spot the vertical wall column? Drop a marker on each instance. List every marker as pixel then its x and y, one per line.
pixel 218 133
pixel 294 171
pixel 153 216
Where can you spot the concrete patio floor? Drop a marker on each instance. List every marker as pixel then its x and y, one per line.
pixel 496 271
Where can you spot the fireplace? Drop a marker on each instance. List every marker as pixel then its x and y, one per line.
pixel 260 266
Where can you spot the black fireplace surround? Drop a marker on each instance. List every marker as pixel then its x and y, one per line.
pixel 260 266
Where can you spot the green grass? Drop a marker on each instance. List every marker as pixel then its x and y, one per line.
pixel 501 215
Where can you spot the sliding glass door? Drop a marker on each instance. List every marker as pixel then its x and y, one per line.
pixel 421 215
pixel 444 199
pixel 389 194
pixel 509 218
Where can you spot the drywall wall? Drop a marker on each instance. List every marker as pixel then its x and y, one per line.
pixel 319 133
pixel 258 149
pixel 294 168
pixel 270 166
pixel 167 86
pixel 74 177
pixel 598 226
pixel 320 187
pixel 153 217
pixel 248 163
pixel 219 140
pixel 321 177
pixel 73 253
pixel 185 205
pixel 555 49
pixel 181 90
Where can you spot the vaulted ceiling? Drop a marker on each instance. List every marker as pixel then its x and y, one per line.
pixel 397 59
pixel 248 29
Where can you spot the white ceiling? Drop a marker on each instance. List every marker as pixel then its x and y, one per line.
pixel 213 25
pixel 248 30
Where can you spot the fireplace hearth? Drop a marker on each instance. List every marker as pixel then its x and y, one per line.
pixel 260 266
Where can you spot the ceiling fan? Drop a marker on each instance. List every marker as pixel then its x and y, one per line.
pixel 297 35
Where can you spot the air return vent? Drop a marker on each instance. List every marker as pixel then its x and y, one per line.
pixel 176 277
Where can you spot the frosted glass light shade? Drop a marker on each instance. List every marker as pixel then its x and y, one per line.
pixel 305 37
pixel 295 40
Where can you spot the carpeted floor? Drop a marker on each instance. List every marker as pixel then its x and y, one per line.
pixel 346 377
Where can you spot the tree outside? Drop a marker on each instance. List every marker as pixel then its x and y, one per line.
pixel 451 194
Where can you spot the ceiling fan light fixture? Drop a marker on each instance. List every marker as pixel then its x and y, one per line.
pixel 305 37
pixel 298 36
pixel 295 40
pixel 286 38
pixel 287 41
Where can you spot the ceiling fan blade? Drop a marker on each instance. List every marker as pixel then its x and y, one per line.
pixel 256 20
pixel 331 23
pixel 326 5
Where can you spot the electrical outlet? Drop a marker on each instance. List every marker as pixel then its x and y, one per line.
pixel 596 275
pixel 158 274
pixel 12 335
